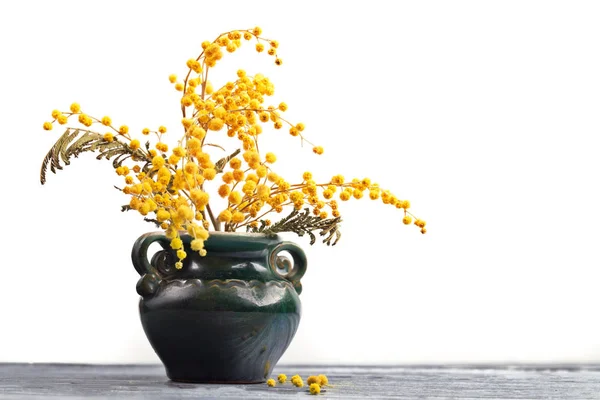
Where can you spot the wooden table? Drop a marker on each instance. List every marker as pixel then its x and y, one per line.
pixel 37 381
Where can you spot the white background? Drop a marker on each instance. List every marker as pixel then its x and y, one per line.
pixel 485 114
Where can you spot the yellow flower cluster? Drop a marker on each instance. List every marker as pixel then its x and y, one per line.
pixel 297 381
pixel 314 382
pixel 170 185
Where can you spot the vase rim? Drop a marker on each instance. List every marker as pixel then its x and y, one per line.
pixel 241 234
pixel 223 240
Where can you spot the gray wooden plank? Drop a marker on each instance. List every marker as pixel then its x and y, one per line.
pixel 37 381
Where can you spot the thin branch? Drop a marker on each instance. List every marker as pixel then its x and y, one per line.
pixel 216 224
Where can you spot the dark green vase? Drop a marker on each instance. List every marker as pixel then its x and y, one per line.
pixel 226 317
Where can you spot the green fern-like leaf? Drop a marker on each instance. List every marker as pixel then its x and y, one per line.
pixel 76 141
pixel 303 223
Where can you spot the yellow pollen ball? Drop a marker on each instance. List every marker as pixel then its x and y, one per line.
pixel 420 223
pixel 235 163
pixel 209 173
pixel 238 217
pixel 312 379
pixel 225 216
pixel 337 180
pixel 224 190
pixel 191 168
pixel 197 244
pixel 173 159
pixel 163 147
pixel 235 198
pixel 270 158
pixel 158 162
pixel 162 215
pixel 179 151
pixel 185 212
pixel 315 388
pixel 298 382
pixel 227 177
pixel 134 144
pixel 176 243
pixel 216 124
pixel 75 108
pixel 261 171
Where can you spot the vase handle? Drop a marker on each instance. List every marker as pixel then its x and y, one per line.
pixel 139 253
pixel 150 277
pixel 299 267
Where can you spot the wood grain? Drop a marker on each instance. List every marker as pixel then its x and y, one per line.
pixel 37 381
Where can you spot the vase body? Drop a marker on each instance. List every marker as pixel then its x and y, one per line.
pixel 226 317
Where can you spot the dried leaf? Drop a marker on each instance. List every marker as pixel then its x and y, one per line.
pixel 303 223
pixel 220 165
pixel 87 141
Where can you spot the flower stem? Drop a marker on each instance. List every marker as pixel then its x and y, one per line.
pixel 215 223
